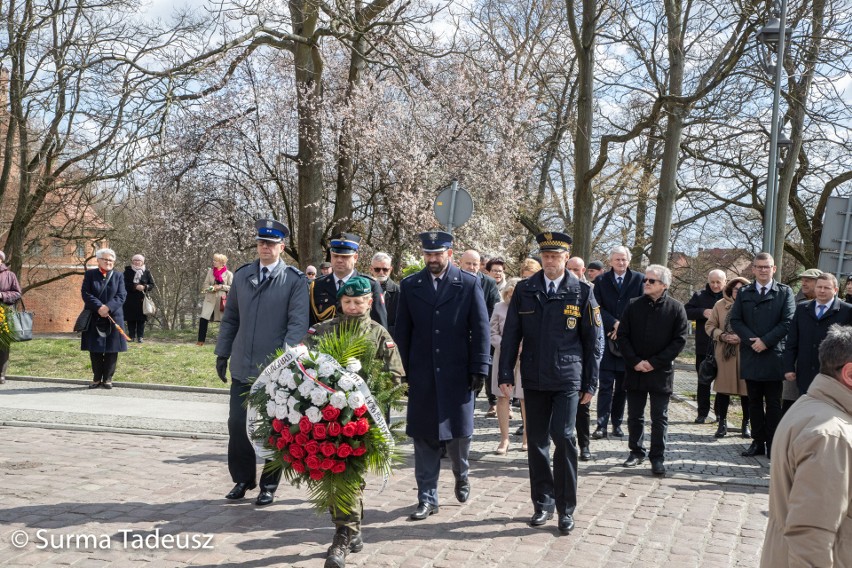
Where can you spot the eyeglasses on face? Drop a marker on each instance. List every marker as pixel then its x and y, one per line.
pixel 380 269
pixel 311 273
pixel 107 259
pixel 650 281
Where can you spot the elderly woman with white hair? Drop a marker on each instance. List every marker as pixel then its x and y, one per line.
pixel 10 292
pixel 103 294
pixel 138 280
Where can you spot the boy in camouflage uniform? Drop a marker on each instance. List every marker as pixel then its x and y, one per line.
pixel 355 301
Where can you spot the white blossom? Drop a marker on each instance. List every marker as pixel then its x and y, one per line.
pixel 312 373
pixel 271 388
pixel 326 369
pixel 356 400
pixel 281 411
pixel 270 408
pixel 294 416
pixel 319 396
pixel 338 400
pixel 305 388
pixel 313 414
pixel 346 383
pixel 292 402
pixel 285 377
pixel 281 396
pixel 353 365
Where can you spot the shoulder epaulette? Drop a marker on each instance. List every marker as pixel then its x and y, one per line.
pixel 296 270
pixel 243 266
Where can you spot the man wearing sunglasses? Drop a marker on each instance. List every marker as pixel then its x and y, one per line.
pixel 651 334
pixel 381 267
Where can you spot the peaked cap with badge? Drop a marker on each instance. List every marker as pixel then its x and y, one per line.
pixel 345 243
pixel 271 230
pixel 436 241
pixel 552 241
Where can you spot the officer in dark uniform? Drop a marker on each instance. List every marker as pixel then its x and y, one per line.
pixel 323 290
pixel 558 320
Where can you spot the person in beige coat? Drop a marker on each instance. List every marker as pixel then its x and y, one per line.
pixel 215 289
pixel 810 479
pixel 504 411
pixel 728 381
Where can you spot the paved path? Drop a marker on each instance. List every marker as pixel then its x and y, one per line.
pixel 61 486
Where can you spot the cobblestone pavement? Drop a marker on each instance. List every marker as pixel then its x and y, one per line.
pixel 61 487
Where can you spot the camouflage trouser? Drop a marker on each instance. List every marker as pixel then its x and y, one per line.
pixel 353 519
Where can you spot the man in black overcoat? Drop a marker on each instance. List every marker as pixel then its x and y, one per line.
pixel 698 309
pixel 381 266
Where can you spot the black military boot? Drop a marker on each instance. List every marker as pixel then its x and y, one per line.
pixel 336 557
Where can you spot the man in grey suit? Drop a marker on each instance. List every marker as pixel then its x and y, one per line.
pixel 267 309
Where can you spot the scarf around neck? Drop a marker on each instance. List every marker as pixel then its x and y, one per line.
pixel 139 272
pixel 219 274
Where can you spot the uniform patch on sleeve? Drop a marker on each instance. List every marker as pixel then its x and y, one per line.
pixel 312 331
pixel 390 345
pixel 596 316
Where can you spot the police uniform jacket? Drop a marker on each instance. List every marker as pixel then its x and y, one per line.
pixel 443 337
pixel 613 301
pixel 559 333
pixel 324 304
pixel 767 317
pixel 653 331
pixel 801 350
pixel 102 336
pixel 260 318
pixel 378 336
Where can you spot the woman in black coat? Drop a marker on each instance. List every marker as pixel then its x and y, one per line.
pixel 138 280
pixel 103 294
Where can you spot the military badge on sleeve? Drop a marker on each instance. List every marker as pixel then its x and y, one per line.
pixel 596 313
pixel 571 323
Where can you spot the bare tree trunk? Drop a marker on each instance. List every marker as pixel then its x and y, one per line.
pixel 640 238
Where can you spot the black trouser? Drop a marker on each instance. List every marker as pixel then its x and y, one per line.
pixel 135 328
pixel 202 329
pixel 785 406
pixel 103 366
pixel 636 400
pixel 611 398
pixel 4 362
pixel 241 458
pixel 703 394
pixel 552 415
pixel 723 401
pixel 764 399
pixel 584 422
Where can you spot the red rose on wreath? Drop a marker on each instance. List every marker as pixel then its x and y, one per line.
pixel 334 429
pixel 288 437
pixel 272 441
pixel 305 425
pixel 312 447
pixel 277 425
pixel 359 412
pixel 327 463
pixel 297 451
pixel 350 429
pixel 301 439
pixel 280 443
pixel 344 451
pixel 298 467
pixel 339 467
pixel 319 431
pixel 362 426
pixel 359 451
pixel 330 413
pixel 317 474
pixel 328 449
pixel 312 462
pixel 286 458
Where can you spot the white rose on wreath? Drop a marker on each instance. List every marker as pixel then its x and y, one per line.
pixel 281 411
pixel 326 369
pixel 294 416
pixel 284 378
pixel 313 414
pixel 338 400
pixel 292 402
pixel 312 373
pixel 281 396
pixel 319 396
pixel 263 379
pixel 271 388
pixel 346 383
pixel 270 408
pixel 356 400
pixel 353 365
pixel 305 388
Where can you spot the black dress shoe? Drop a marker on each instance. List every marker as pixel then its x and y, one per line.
pixel 745 431
pixel 658 467
pixel 701 420
pixel 722 430
pixel 633 461
pixel 107 384
pixel 422 511
pixel 520 430
pixel 94 385
pixel 239 490
pixel 566 524
pixel 585 454
pixel 755 449
pixel 617 432
pixel 264 498
pixel 540 517
pixel 462 490
pixel 598 434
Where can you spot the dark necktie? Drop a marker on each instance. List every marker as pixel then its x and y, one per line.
pixel 339 283
pixel 551 291
pixel 264 272
pixel 620 281
pixel 763 290
pixel 437 283
pixel 820 311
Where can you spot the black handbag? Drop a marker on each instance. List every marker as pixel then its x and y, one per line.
pixel 612 347
pixel 709 368
pixel 84 320
pixel 22 323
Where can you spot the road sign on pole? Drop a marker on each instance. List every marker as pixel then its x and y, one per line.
pixel 453 206
pixel 837 236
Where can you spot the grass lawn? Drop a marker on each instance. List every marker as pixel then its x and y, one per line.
pixel 162 361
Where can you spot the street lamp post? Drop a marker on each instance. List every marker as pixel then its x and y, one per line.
pixel 774 35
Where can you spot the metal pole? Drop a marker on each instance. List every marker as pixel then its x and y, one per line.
pixel 455 190
pixel 844 241
pixel 771 213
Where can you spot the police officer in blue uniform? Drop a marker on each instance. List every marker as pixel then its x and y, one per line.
pixel 556 317
pixel 267 309
pixel 443 336
pixel 323 290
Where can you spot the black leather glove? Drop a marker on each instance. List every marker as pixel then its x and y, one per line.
pixel 222 368
pixel 476 380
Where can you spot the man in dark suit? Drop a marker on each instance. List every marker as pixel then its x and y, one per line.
pixel 761 316
pixel 323 290
pixel 613 291
pixel 558 320
pixel 810 326
pixel 381 266
pixel 443 336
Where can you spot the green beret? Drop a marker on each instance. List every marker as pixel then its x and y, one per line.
pixel 355 286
